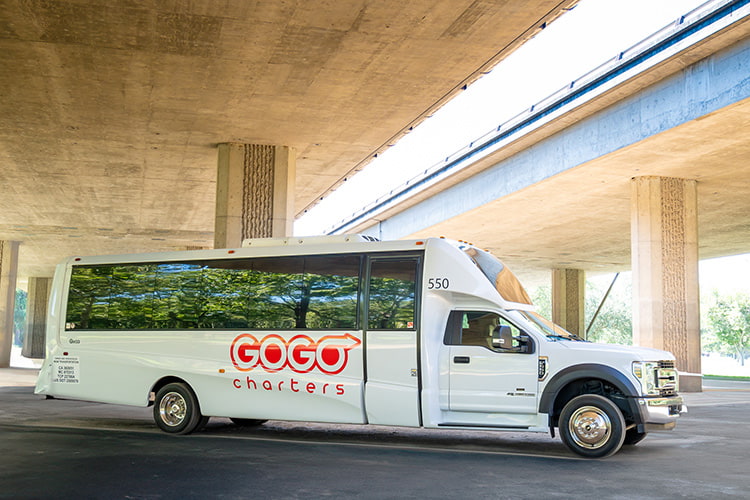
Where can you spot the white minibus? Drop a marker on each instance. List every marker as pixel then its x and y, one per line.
pixel 342 329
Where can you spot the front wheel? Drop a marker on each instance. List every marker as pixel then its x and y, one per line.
pixel 592 426
pixel 176 409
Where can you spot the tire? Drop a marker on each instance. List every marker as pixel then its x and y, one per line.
pixel 176 409
pixel 632 436
pixel 592 426
pixel 248 422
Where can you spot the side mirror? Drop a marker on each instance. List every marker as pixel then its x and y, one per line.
pixel 502 337
pixel 524 341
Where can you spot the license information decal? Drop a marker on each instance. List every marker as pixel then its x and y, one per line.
pixel 66 370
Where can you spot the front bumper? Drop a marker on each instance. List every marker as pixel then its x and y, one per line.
pixel 661 412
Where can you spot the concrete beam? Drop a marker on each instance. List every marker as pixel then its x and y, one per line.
pixel 8 270
pixel 34 343
pixel 666 301
pixel 254 193
pixel 568 299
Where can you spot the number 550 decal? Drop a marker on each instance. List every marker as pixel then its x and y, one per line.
pixel 438 283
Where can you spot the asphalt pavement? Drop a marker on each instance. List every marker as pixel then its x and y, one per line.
pixel 71 449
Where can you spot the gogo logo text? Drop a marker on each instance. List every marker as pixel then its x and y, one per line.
pixel 301 354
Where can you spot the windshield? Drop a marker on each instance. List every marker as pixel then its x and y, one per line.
pixel 504 281
pixel 547 327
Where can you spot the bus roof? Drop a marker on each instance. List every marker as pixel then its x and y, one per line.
pixel 263 247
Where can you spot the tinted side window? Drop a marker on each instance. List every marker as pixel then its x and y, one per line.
pixel 270 293
pixel 392 294
pixel 88 298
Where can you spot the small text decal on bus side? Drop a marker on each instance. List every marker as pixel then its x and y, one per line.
pixel 438 283
pixel 66 370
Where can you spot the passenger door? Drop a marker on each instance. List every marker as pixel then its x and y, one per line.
pixel 490 382
pixel 392 387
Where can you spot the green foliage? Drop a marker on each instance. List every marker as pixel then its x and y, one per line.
pixel 729 325
pixel 541 297
pixel 725 319
pixel 19 318
pixel 613 325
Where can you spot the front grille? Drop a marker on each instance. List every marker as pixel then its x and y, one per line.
pixel 666 378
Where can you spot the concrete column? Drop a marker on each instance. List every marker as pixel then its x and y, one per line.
pixel 568 299
pixel 664 243
pixel 254 193
pixel 8 269
pixel 36 317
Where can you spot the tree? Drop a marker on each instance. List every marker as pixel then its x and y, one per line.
pixel 729 318
pixel 614 323
pixel 19 318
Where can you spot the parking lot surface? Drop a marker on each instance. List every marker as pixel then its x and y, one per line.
pixel 61 449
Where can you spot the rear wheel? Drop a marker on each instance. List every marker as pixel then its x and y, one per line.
pixel 592 426
pixel 176 409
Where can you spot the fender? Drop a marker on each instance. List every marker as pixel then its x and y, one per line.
pixel 588 371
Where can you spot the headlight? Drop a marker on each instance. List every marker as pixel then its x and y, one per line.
pixel 646 373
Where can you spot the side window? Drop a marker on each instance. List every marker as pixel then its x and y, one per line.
pixel 303 292
pixel 392 294
pixel 88 298
pixel 485 329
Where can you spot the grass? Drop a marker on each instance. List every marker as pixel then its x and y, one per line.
pixel 725 377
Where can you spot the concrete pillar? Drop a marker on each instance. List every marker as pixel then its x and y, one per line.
pixel 664 243
pixel 568 299
pixel 36 317
pixel 254 193
pixel 8 269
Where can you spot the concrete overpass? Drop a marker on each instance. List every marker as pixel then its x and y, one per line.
pixel 112 111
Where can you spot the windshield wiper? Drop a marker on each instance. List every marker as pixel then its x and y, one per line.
pixel 570 336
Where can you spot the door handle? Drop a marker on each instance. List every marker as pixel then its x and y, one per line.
pixel 461 360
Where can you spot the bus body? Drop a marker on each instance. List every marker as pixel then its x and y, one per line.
pixel 340 329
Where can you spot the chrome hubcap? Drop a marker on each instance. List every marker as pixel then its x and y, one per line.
pixel 590 427
pixel 172 409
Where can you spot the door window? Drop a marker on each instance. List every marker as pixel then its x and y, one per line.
pixel 392 294
pixel 486 329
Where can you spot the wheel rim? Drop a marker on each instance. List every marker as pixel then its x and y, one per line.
pixel 172 409
pixel 590 427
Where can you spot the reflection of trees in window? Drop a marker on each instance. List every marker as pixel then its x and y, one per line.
pixel 86 307
pixel 269 293
pixel 179 298
pixel 392 294
pixel 131 296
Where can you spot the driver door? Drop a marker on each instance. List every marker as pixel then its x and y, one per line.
pixel 491 379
